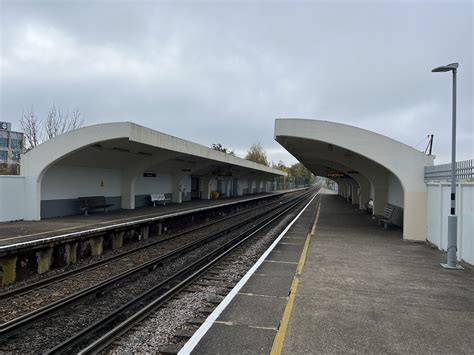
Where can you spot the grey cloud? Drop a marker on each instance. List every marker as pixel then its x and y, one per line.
pixel 221 72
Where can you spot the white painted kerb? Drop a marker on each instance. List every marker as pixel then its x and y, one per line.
pixel 202 330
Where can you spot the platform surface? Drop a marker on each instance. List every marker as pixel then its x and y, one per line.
pixel 250 322
pixel 362 290
pixel 23 231
pixel 365 290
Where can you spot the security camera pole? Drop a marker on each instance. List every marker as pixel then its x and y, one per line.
pixel 452 218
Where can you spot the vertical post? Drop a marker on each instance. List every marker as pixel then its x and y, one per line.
pixel 452 218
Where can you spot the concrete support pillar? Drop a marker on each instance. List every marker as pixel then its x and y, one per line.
pixel 72 256
pixel 415 213
pixel 98 246
pixel 266 185
pixel 44 260
pixel 250 185
pixel 177 188
pixel 7 270
pixel 364 191
pixel 355 192
pixel 228 187
pixel 380 198
pixel 128 190
pixel 239 189
pixel 145 231
pixel 364 196
pixel 117 241
pixel 205 188
pixel 275 184
pixel 343 188
pixel 258 187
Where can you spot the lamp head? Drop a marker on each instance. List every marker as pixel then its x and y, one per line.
pixel 445 68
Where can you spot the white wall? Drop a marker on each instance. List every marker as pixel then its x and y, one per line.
pixel 162 183
pixel 438 210
pixel 65 182
pixel 395 191
pixel 187 184
pixel 12 198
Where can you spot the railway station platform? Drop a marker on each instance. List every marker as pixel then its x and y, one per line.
pixel 16 232
pixel 363 289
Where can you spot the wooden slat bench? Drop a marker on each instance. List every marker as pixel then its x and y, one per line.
pixel 93 202
pixel 161 198
pixel 386 218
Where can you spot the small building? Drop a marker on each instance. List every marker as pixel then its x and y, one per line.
pixel 11 147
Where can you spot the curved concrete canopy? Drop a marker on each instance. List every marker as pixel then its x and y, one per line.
pixel 353 151
pixel 133 149
pixel 138 139
pixel 322 167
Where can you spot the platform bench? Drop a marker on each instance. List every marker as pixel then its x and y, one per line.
pixel 386 218
pixel 160 198
pixel 93 202
pixel 369 206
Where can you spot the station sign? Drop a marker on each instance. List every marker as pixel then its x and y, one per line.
pixel 335 175
pixel 222 173
pixel 5 126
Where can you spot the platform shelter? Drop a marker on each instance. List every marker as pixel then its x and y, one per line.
pixel 124 162
pixel 365 165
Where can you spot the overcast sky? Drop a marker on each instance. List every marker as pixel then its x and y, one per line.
pixel 222 72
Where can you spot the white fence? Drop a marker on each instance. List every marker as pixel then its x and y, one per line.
pixel 438 210
pixel 464 171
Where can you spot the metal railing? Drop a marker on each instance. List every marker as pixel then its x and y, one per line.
pixel 464 171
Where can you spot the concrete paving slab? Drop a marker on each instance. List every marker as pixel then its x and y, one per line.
pixel 269 268
pixel 225 339
pixel 269 285
pixel 255 311
pixel 365 290
pixel 286 256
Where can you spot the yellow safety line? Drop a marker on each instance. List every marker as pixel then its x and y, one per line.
pixel 280 336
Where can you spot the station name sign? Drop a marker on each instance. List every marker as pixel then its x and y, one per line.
pixel 335 175
pixel 221 173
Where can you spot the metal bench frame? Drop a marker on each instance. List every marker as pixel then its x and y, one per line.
pixel 386 218
pixel 159 198
pixel 93 202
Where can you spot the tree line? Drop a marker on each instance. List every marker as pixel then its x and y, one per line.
pixel 297 173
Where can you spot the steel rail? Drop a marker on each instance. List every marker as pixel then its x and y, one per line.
pixel 14 325
pixel 50 280
pixel 195 269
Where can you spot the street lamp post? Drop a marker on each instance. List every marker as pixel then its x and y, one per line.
pixel 452 218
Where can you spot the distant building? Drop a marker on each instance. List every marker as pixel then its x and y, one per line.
pixel 11 146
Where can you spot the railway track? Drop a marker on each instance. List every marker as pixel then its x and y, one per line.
pixel 87 315
pixel 20 301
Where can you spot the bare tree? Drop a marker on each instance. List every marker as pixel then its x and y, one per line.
pixel 31 126
pixel 57 122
